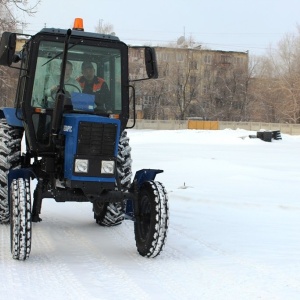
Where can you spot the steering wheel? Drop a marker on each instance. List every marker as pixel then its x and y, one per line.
pixel 69 84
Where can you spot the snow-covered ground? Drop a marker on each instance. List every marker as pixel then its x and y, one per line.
pixel 234 228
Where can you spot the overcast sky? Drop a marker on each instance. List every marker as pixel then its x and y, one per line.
pixel 231 25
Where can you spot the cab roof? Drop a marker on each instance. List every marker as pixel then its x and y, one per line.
pixel 77 33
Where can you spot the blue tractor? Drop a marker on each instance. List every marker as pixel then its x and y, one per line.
pixel 74 140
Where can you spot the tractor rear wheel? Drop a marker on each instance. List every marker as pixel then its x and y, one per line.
pixel 152 220
pixel 10 158
pixel 20 219
pixel 111 214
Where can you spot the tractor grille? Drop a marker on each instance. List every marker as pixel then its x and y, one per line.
pixel 96 139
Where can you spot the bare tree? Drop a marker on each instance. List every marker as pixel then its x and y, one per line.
pixel 105 28
pixel 184 83
pixel 225 87
pixel 9 21
pixel 9 9
pixel 152 99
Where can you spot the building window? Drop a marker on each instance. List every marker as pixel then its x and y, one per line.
pixel 207 74
pixel 225 59
pixel 148 100
pixel 180 57
pixel 158 56
pixel 193 65
pixel 193 93
pixel 207 59
pixel 193 80
pixel 163 70
pixel 165 57
pixel 239 60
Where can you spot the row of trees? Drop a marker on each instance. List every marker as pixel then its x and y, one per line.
pixel 276 87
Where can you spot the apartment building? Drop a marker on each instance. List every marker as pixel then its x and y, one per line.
pixel 190 83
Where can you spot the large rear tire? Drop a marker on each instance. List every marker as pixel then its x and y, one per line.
pixel 151 224
pixel 112 214
pixel 20 219
pixel 10 158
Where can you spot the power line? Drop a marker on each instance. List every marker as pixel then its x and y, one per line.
pixel 170 41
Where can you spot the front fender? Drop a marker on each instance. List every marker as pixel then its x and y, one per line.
pixel 145 175
pixel 140 177
pixel 10 114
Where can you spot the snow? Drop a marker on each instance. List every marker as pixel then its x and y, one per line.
pixel 233 233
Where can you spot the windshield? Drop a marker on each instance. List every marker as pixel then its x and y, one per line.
pixel 92 79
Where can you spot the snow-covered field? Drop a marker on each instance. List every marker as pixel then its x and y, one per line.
pixel 234 228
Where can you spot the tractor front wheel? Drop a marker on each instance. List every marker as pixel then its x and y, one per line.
pixel 20 219
pixel 152 219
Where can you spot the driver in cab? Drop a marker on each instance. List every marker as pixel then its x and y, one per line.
pixel 92 84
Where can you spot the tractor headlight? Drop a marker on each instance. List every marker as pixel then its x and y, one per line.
pixel 107 167
pixel 81 165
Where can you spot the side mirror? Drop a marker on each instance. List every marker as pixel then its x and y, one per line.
pixel 7 48
pixel 151 63
pixel 142 63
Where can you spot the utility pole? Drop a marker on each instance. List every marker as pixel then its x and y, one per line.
pixel 100 26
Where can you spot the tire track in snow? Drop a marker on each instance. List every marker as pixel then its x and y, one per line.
pixel 266 273
pixel 178 282
pixel 177 273
pixel 45 274
pixel 97 269
pixel 162 270
pixel 7 275
pixel 103 265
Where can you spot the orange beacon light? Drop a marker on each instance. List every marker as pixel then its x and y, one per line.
pixel 78 24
